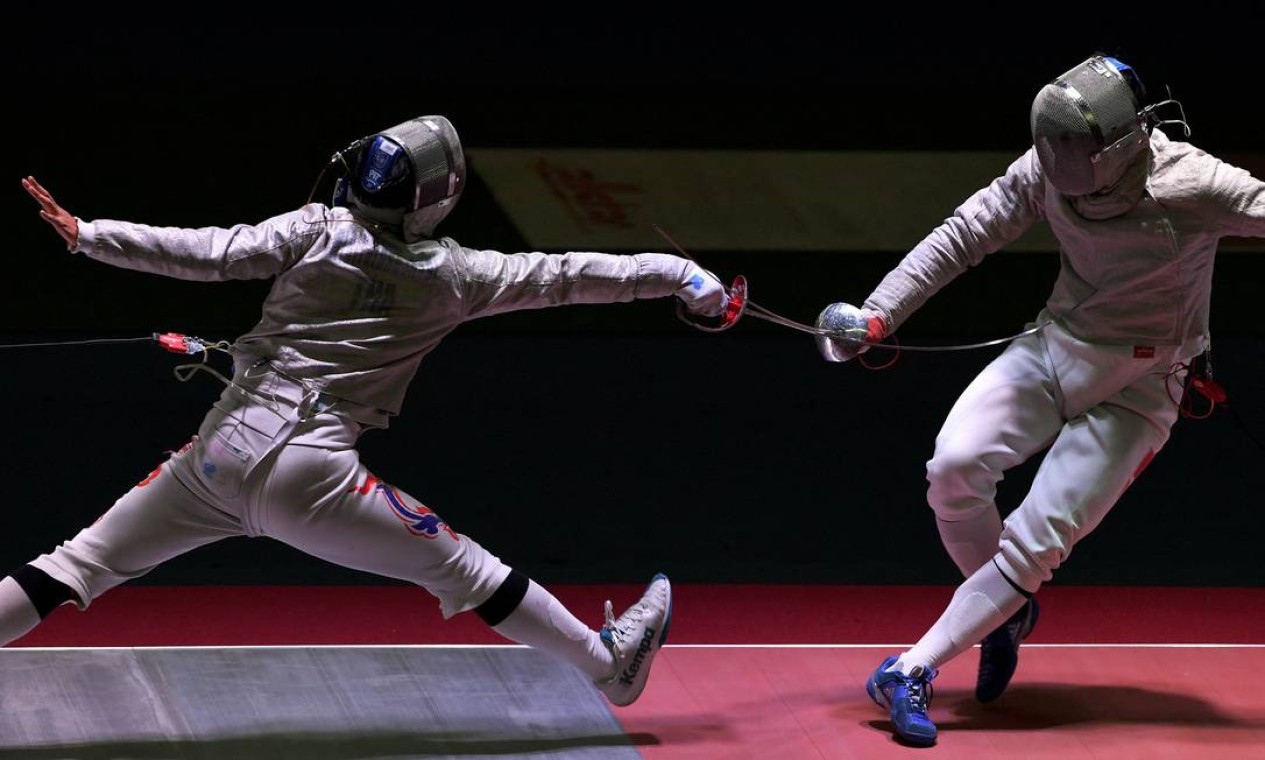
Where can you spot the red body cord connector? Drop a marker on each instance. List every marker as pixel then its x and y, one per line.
pixel 179 344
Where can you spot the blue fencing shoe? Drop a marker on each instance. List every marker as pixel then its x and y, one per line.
pixel 999 652
pixel 907 697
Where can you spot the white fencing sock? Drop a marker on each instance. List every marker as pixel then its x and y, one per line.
pixel 540 621
pixel 972 542
pixel 983 602
pixel 17 614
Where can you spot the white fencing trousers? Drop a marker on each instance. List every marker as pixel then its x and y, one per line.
pixel 1102 411
pixel 276 467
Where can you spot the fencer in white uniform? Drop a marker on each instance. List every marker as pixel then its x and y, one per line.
pixel 1138 217
pixel 361 292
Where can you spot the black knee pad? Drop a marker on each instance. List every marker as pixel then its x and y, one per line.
pixel 44 592
pixel 505 599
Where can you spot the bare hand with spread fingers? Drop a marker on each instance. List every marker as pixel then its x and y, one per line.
pixel 61 220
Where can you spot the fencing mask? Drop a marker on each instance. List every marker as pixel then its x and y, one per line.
pixel 1088 125
pixel 408 177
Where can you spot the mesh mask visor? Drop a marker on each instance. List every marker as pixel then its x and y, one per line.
pixel 1087 124
pixel 409 175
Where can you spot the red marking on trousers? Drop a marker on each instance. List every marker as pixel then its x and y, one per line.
pixel 150 477
pixel 1146 460
pixel 369 485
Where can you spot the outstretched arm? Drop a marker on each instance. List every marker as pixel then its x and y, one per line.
pixel 62 221
pixel 983 224
pixel 207 253
pixel 495 283
pixel 1241 197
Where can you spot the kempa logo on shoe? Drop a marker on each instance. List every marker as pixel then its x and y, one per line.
pixel 643 649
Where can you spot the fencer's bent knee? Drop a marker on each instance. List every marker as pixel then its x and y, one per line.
pixel 960 484
pixel 1022 568
pixel 45 593
pixel 1037 544
pixel 505 599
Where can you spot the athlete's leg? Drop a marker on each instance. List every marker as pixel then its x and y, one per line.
pixel 322 500
pixel 1087 469
pixel 523 611
pixel 1008 413
pixel 1095 457
pixel 1082 477
pixel 25 602
pixel 156 520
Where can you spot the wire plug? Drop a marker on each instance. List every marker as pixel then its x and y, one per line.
pixel 180 344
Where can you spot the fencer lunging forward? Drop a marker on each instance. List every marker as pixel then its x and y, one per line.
pixel 1138 217
pixel 361 291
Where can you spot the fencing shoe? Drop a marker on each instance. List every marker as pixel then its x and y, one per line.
pixel 999 652
pixel 634 638
pixel 907 697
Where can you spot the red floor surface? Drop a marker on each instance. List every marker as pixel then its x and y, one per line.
pixel 1118 703
pixel 705 614
pixel 778 672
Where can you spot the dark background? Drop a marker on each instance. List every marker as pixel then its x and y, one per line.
pixel 593 444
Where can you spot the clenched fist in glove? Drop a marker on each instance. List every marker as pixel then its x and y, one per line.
pixel 852 329
pixel 702 293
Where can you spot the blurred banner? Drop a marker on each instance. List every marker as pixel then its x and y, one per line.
pixel 740 200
